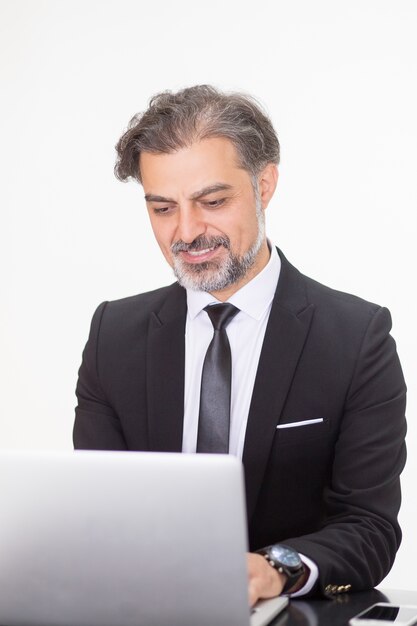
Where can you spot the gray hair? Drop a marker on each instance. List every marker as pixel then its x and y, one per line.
pixel 176 120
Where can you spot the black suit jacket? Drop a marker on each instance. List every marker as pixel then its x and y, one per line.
pixel 330 489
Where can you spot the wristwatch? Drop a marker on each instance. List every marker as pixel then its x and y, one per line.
pixel 286 561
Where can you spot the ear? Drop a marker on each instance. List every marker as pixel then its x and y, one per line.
pixel 267 183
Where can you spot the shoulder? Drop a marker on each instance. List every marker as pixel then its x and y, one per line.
pixel 148 301
pixel 333 309
pixel 134 311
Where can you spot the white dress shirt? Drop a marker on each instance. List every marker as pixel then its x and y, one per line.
pixel 246 332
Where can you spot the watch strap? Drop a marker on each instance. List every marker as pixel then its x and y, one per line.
pixel 293 574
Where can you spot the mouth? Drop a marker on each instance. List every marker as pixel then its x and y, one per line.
pixel 199 256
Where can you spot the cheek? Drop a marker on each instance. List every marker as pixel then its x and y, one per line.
pixel 242 235
pixel 253 226
pixel 241 225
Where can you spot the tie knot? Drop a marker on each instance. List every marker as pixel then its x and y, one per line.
pixel 221 314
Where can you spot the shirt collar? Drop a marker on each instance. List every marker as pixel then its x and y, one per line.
pixel 253 298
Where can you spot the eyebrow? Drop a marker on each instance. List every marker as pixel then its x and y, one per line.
pixel 150 197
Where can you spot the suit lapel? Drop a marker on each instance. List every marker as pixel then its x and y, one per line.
pixel 286 333
pixel 165 373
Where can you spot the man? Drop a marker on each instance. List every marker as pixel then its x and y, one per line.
pixel 315 403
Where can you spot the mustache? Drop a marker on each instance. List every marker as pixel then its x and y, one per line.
pixel 201 243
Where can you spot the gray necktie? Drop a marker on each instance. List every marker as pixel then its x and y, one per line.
pixel 216 379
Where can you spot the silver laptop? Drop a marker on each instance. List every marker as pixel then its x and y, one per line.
pixel 124 539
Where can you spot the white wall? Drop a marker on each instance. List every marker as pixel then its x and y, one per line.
pixel 339 80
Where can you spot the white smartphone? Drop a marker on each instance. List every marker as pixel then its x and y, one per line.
pixel 384 613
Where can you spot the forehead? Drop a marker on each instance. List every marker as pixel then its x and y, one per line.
pixel 194 167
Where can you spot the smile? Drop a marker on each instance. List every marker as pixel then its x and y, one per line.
pixel 199 256
pixel 200 252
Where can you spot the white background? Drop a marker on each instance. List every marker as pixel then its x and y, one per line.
pixel 339 81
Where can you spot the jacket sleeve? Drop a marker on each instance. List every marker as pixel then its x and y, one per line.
pixel 96 426
pixel 356 546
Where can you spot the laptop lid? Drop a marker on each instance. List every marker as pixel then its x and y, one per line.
pixel 105 538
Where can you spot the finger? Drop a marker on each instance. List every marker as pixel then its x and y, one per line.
pixel 253 592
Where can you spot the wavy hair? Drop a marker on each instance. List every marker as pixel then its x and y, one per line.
pixel 176 120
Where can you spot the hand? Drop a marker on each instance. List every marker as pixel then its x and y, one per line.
pixel 264 580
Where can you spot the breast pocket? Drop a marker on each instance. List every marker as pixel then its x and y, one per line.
pixel 299 431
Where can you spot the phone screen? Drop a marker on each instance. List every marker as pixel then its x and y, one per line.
pixel 391 613
pixel 385 613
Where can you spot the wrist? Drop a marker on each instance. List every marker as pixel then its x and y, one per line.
pixel 300 582
pixel 288 564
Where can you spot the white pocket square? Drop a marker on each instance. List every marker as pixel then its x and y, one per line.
pixel 317 420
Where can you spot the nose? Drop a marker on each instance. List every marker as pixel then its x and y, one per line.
pixel 190 224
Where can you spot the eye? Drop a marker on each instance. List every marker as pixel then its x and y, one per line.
pixel 161 210
pixel 213 204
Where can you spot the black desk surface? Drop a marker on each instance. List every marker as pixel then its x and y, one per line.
pixel 338 612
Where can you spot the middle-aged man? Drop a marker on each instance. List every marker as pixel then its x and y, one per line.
pixel 300 381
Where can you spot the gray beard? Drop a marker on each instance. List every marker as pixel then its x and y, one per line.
pixel 217 274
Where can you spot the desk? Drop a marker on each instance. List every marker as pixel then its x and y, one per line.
pixel 337 612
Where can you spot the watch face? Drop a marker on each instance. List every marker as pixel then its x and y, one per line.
pixel 286 556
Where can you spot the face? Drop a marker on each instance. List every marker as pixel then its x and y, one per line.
pixel 206 216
